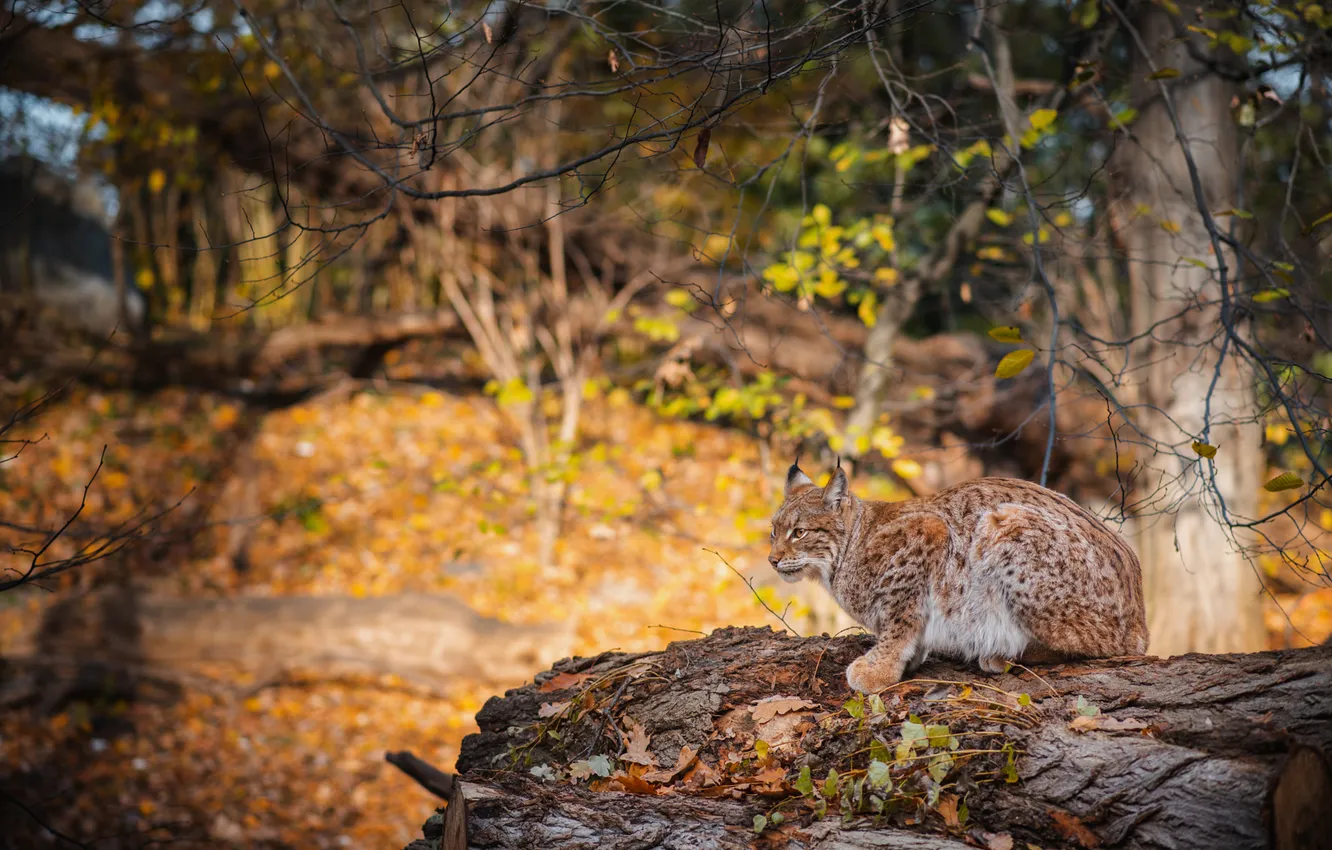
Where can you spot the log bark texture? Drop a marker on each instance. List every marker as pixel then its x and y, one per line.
pixel 1192 751
pixel 427 640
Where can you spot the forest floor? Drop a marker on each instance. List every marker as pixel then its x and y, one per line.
pixel 394 489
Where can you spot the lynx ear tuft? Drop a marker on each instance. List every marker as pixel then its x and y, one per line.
pixel 835 492
pixel 796 480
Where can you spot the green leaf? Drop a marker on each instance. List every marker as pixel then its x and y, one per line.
pixel 1086 709
pixel 1166 73
pixel 855 707
pixel 1203 450
pixel 879 775
pixel 938 735
pixel 1024 699
pixel 760 823
pixel 1123 117
pixel 830 785
pixel 999 217
pixel 876 705
pixel 777 818
pixel 1284 481
pixel 761 747
pixel 939 766
pixel 1007 333
pixel 879 751
pixel 804 783
pixel 1245 214
pixel 1194 261
pixel 1266 295
pixel 1014 362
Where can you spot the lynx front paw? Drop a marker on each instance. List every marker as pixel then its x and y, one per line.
pixel 867 678
pixel 994 664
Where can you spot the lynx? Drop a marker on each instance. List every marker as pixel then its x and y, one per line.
pixel 992 570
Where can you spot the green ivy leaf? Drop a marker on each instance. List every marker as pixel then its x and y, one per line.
pixel 760 823
pixel 804 783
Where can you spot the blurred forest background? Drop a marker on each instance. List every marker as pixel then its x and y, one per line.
pixel 360 360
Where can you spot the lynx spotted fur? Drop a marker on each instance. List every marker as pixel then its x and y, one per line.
pixel 993 570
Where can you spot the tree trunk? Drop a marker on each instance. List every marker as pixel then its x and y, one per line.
pixel 1202 592
pixel 1194 751
pixel 427 640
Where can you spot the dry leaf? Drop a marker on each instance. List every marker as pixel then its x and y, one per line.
pixel 948 809
pixel 770 780
pixel 485 27
pixel 1084 723
pixel 998 841
pixel 562 681
pixel 702 775
pixel 1072 828
pixel 614 62
pixel 701 147
pixel 636 743
pixel 632 784
pixel 767 709
pixel 661 777
pixel 1203 449
pixel 551 709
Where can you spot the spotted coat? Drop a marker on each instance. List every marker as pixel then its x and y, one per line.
pixel 989 571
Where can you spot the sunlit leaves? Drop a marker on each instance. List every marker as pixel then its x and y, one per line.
pixel 1123 117
pixel 868 311
pixel 1007 333
pixel 1321 220
pixel 1284 481
pixel 1263 296
pixel 980 148
pixel 1014 363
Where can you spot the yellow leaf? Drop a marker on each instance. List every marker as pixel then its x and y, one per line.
pixel 1284 481
pixel 1007 333
pixel 1194 261
pixel 868 310
pixel 999 217
pixel 156 180
pixel 822 215
pixel 271 70
pixel 1014 362
pixel 843 402
pixel 1236 213
pixel 144 278
pixel 1063 220
pixel 1322 219
pixel 1204 450
pixel 1169 226
pixel 1164 74
pixel 1266 295
pixel 907 468
pixel 886 276
pixel 1276 434
pixel 1042 118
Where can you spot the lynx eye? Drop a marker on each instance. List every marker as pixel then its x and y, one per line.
pixel 799 533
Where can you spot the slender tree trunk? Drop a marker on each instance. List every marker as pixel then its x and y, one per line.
pixel 1202 593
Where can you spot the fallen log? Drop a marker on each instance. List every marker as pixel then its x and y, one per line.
pixel 688 746
pixel 430 641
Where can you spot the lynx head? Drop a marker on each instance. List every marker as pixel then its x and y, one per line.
pixel 809 529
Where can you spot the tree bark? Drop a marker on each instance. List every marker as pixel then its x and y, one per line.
pixel 427 640
pixel 1193 751
pixel 1203 594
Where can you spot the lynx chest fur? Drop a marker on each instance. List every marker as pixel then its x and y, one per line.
pixel 990 571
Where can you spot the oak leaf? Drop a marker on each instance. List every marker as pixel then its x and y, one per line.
pixel 636 743
pixel 562 681
pixel 666 774
pixel 766 709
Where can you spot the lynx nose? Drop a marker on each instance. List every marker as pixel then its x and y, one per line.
pixel 774 560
